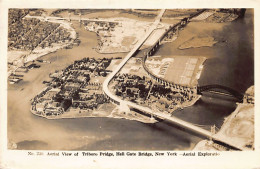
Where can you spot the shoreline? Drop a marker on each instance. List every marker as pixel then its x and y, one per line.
pixel 231 132
pixel 37 52
pixel 110 115
pixel 93 116
pixel 198 42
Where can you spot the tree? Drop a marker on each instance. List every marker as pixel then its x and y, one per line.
pixel 129 92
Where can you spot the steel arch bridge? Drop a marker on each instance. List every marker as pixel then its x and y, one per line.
pixel 222 90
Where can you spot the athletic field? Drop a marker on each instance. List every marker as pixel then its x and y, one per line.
pixel 184 70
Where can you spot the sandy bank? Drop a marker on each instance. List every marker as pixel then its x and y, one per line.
pixel 123 35
pixel 197 42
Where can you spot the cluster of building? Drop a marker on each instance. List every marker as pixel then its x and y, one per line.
pixel 102 29
pixel 226 14
pixel 29 33
pixel 142 90
pixel 18 31
pixel 15 78
pixel 170 98
pixel 72 87
pixel 36 12
pixel 100 25
pixel 89 97
pixel 16 14
pixel 132 87
pixel 171 35
pixel 60 35
pixel 249 98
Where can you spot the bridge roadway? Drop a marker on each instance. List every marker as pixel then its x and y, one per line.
pixel 128 56
pixel 159 115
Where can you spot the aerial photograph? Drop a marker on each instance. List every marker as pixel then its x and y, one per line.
pixel 130 79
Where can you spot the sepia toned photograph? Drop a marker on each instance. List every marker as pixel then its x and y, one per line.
pixel 130 79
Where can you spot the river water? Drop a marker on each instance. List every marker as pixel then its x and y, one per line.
pixel 230 63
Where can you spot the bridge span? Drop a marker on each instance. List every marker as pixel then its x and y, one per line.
pixel 222 90
pixel 115 99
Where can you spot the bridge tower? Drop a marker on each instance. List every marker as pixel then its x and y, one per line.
pixel 69 16
pixel 213 131
pixel 80 17
pixel 151 118
pixel 22 61
pixel 177 31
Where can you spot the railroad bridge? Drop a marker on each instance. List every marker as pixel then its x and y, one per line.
pixel 221 90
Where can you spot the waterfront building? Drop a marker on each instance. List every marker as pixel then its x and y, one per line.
pixel 72 86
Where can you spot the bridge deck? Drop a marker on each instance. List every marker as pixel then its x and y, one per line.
pixel 183 124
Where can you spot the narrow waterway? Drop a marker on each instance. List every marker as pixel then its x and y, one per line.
pixel 230 63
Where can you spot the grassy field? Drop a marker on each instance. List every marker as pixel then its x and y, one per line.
pixel 183 70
